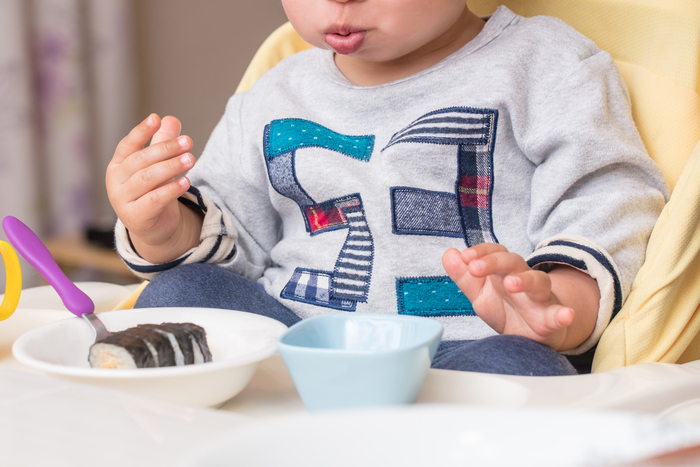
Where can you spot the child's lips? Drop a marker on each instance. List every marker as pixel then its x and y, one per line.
pixel 345 43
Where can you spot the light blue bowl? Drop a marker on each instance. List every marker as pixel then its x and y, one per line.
pixel 357 360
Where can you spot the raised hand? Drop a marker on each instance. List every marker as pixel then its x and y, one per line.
pixel 143 184
pixel 512 298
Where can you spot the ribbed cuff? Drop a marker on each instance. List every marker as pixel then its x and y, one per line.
pixel 587 256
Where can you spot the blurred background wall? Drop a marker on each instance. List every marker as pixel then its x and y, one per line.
pixel 192 53
pixel 77 75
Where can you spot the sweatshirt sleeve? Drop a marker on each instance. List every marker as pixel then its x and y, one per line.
pixel 240 224
pixel 217 239
pixel 596 194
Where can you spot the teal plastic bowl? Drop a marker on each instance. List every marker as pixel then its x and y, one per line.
pixel 357 360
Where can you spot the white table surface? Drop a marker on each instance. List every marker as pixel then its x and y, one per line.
pixel 49 421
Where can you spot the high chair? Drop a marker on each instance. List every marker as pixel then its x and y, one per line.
pixel 646 359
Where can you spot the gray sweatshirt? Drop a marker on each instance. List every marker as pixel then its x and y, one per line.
pixel 340 198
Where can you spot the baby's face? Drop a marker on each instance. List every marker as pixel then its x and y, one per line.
pixel 373 30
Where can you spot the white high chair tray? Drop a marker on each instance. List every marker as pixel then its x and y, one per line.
pixel 668 390
pixel 665 391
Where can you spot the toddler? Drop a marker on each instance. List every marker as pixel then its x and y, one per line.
pixel 421 160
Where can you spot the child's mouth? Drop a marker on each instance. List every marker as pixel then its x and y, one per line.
pixel 345 43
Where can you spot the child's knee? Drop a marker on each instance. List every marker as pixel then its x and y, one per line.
pixel 179 286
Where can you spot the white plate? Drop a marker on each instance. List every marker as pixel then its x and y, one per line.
pixel 238 342
pixel 447 435
pixel 42 305
pixel 24 320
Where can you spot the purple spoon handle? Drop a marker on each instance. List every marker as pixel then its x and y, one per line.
pixel 35 252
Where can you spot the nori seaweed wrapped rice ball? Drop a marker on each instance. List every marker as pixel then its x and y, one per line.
pixel 151 346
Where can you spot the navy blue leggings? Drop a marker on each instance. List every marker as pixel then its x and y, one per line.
pixel 209 286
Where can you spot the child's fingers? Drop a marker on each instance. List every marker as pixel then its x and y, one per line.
pixel 545 323
pixel 153 176
pixel 481 250
pixel 537 285
pixel 150 156
pixel 151 204
pixel 548 321
pixel 170 128
pixel 564 317
pixel 500 263
pixel 458 271
pixel 557 317
pixel 453 264
pixel 137 138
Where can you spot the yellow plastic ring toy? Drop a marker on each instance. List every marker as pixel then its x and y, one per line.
pixel 13 280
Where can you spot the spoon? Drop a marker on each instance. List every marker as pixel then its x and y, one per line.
pixel 26 242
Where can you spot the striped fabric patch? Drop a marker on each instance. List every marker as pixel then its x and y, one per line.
pixel 353 267
pixel 473 132
pixel 451 126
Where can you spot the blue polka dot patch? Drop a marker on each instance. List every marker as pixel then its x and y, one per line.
pixel 431 296
pixel 291 134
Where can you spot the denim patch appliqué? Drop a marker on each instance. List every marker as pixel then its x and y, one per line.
pixel 423 212
pixel 473 132
pixel 431 296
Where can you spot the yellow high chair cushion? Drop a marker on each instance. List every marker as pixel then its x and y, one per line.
pixel 283 42
pixel 656 46
pixel 660 320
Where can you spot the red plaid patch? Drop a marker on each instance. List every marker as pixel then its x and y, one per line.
pixel 474 191
pixel 322 219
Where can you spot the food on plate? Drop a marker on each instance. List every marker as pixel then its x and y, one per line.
pixel 151 346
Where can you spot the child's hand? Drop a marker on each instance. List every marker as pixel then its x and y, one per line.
pixel 143 187
pixel 512 298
